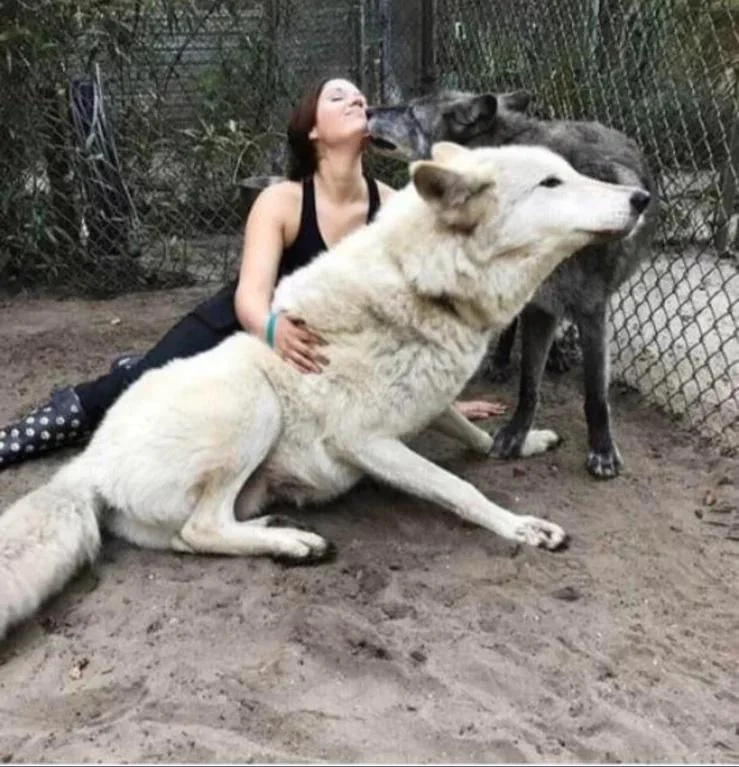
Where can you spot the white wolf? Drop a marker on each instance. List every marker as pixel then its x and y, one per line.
pixel 192 453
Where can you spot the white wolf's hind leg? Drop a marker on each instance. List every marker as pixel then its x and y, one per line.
pixel 253 538
pixel 212 528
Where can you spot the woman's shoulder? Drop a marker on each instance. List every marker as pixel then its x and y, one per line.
pixel 279 202
pixel 283 192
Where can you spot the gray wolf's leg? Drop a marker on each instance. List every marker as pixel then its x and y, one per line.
pixel 604 460
pixel 537 331
pixel 497 366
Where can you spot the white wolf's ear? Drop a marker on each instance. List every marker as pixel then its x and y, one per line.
pixel 440 185
pixel 455 195
pixel 446 151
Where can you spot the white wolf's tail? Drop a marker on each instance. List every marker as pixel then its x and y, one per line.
pixel 45 537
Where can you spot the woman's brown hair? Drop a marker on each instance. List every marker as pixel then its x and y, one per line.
pixel 301 153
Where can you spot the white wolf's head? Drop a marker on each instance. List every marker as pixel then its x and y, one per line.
pixel 502 219
pixel 524 196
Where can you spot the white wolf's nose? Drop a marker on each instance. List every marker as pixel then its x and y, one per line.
pixel 639 200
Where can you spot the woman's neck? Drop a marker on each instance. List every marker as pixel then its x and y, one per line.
pixel 341 177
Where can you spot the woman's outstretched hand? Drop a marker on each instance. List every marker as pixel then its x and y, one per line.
pixel 479 410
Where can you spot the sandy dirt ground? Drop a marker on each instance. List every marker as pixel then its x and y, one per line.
pixel 426 640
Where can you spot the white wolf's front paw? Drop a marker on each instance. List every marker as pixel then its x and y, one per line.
pixel 539 532
pixel 540 441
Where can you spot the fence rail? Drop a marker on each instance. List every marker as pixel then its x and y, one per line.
pixel 127 127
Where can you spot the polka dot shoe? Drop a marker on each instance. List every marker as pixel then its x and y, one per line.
pixel 57 423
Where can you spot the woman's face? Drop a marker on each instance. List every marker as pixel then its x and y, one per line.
pixel 341 113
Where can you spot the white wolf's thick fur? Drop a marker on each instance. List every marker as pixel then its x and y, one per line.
pixel 191 453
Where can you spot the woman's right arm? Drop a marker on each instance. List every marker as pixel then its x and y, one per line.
pixel 264 243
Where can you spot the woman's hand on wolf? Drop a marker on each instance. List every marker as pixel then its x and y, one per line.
pixel 297 344
pixel 479 410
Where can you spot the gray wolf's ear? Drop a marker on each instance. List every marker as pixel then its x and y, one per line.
pixel 517 101
pixel 471 110
pixel 445 151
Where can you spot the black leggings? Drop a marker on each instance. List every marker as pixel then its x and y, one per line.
pixel 190 336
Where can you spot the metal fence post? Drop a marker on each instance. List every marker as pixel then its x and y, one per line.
pixel 725 237
pixel 428 57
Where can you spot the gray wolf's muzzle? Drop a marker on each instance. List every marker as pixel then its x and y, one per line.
pixel 394 131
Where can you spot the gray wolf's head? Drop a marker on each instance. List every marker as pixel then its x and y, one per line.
pixel 522 200
pixel 407 131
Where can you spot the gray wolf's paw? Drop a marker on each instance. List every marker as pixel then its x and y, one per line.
pixel 605 465
pixel 507 442
pixel 539 532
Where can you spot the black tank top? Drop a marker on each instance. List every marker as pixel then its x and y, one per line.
pixel 219 312
pixel 309 242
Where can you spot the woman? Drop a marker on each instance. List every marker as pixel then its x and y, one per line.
pixel 326 197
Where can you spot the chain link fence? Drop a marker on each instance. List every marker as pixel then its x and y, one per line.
pixel 128 129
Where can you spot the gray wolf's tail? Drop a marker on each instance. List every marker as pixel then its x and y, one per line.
pixel 45 537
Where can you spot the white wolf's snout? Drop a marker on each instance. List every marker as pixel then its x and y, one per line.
pixel 615 209
pixel 640 200
pixel 641 219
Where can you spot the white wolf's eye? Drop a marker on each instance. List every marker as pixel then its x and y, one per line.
pixel 550 182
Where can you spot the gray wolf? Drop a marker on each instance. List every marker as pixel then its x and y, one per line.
pixel 192 454
pixel 579 289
